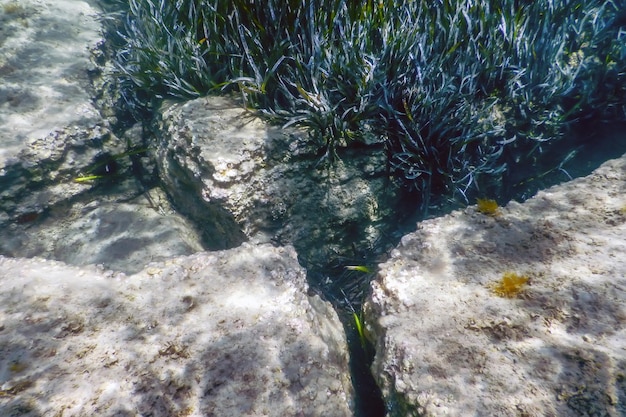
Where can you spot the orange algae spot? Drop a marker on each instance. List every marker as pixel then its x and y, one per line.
pixel 487 206
pixel 510 286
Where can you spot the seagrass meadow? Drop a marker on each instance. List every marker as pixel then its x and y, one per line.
pixel 461 93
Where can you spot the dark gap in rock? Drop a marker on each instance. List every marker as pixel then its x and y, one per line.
pixel 369 401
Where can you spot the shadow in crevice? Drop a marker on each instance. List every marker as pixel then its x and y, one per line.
pixel 217 226
pixel 369 401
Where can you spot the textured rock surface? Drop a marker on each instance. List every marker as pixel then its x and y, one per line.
pixel 227 333
pixel 44 70
pixel 112 221
pixel 51 134
pixel 448 345
pixel 217 158
pixel 43 173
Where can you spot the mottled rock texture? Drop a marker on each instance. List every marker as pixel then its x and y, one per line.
pixel 448 344
pixel 50 130
pixel 44 70
pixel 56 118
pixel 233 172
pixel 113 220
pixel 229 333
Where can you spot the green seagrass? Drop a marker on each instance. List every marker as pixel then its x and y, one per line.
pixel 460 92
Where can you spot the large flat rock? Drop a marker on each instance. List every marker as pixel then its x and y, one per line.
pixel 44 70
pixel 448 344
pixel 228 333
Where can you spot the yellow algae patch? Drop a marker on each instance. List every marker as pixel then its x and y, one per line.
pixel 510 286
pixel 487 206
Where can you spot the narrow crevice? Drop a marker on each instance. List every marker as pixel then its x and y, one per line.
pixel 368 398
pixel 346 290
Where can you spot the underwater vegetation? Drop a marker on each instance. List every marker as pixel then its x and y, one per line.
pixel 510 285
pixel 460 92
pixel 487 206
pixel 358 322
pixel 106 166
pixel 12 8
pixel 357 318
pixel 360 268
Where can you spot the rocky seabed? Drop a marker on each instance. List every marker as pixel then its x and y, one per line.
pixel 113 302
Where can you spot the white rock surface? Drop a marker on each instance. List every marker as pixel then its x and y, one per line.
pixel 51 134
pixel 447 345
pixel 229 333
pixel 44 64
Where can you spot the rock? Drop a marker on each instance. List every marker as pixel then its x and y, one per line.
pixel 44 70
pixel 268 182
pixel 447 344
pixel 49 126
pixel 43 174
pixel 229 333
pixel 113 220
pixel 120 232
pixel 51 132
pixel 53 67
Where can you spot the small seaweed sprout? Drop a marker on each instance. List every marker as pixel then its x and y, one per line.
pixel 359 268
pixel 358 321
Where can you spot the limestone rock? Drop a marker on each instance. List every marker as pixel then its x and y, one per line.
pixel 114 220
pixel 53 67
pixel 51 132
pixel 44 70
pixel 448 344
pixel 268 182
pixel 229 333
pixel 44 172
